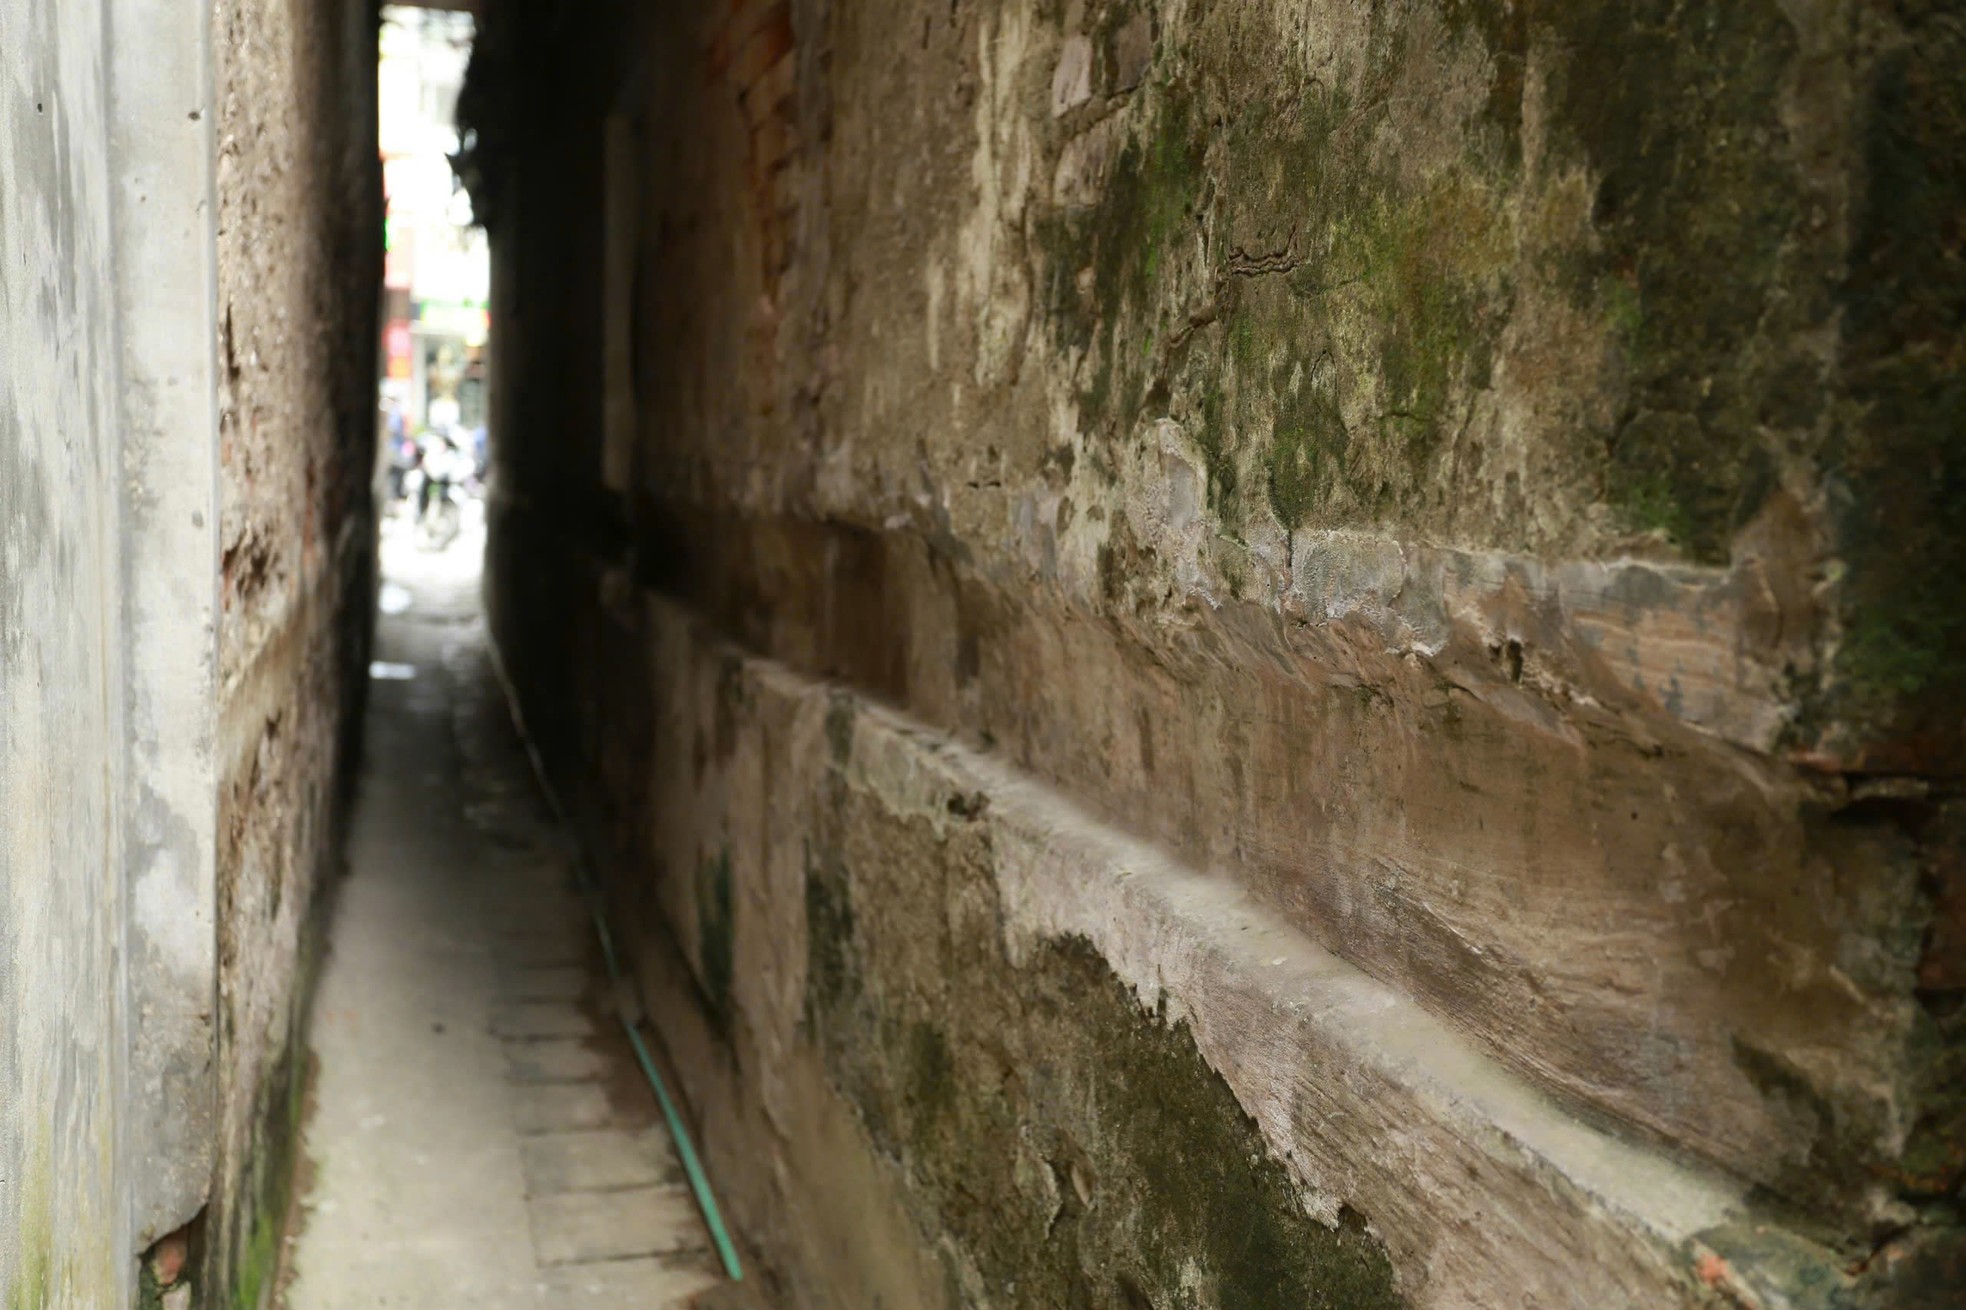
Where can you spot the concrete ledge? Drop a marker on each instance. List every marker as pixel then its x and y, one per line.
pixel 1484 1192
pixel 1628 911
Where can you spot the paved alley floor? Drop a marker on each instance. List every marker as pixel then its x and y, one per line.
pixel 480 1135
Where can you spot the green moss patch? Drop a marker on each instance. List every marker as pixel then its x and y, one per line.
pixel 1071 1148
pixel 1901 459
pixel 251 1263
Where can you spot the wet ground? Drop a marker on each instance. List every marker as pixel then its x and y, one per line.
pixel 480 1135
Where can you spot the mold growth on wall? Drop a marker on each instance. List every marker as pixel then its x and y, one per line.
pixel 1075 1149
pixel 1898 457
pixel 1556 275
pixel 715 933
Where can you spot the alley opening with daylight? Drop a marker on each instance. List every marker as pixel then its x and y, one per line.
pixel 982 655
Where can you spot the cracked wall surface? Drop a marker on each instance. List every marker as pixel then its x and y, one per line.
pixel 1471 483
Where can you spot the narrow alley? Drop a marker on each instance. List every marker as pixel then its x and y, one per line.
pixel 1172 655
pixel 477 1133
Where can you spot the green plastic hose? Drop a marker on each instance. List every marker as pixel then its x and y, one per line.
pixel 627 1008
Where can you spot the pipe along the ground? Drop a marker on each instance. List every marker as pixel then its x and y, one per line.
pixel 627 1005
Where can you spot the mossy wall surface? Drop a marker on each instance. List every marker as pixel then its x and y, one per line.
pixel 1075 1149
pixel 1898 458
pixel 1472 476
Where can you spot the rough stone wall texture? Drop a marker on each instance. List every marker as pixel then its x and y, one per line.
pixel 299 263
pixel 1474 486
pixel 63 1230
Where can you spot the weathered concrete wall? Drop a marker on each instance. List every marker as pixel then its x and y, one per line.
pixel 140 964
pixel 64 1234
pixel 1474 485
pixel 299 264
pixel 161 149
pixel 112 595
pixel 171 726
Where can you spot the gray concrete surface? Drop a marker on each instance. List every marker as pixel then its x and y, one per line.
pixel 119 1104
pixel 63 1030
pixel 479 1135
pixel 161 153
